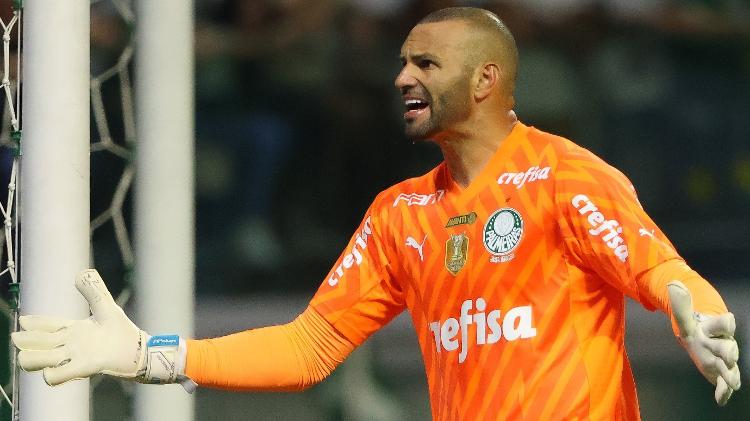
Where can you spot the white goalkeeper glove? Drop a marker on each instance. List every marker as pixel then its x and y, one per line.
pixel 709 340
pixel 105 343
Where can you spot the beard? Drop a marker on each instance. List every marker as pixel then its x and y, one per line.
pixel 446 109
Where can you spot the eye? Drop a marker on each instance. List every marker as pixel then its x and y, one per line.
pixel 425 64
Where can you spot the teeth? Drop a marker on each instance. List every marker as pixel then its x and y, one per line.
pixel 414 102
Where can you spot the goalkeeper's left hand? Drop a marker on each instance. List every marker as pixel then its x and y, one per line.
pixel 710 342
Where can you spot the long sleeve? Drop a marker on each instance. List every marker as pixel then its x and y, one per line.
pixel 357 298
pixel 287 357
pixel 606 231
pixel 653 287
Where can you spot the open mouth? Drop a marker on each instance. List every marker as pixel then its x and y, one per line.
pixel 415 107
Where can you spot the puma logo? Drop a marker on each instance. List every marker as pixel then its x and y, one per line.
pixel 411 242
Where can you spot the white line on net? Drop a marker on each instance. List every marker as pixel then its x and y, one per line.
pixel 11 122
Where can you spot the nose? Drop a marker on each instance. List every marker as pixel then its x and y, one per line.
pixel 404 80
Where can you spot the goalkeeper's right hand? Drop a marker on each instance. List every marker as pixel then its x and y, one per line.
pixel 105 343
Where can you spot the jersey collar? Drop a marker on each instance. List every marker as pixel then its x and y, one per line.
pixel 503 153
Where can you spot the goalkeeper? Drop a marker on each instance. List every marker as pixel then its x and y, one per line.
pixel 513 256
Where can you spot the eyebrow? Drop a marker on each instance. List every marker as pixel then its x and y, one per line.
pixel 420 56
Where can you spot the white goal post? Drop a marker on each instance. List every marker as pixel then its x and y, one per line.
pixel 54 193
pixel 165 222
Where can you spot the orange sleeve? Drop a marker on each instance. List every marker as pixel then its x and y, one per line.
pixel 654 283
pixel 288 357
pixel 358 296
pixel 607 232
pixel 361 294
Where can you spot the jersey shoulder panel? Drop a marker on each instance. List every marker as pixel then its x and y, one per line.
pixel 557 151
pixel 575 161
pixel 603 224
pixel 422 190
pixel 363 289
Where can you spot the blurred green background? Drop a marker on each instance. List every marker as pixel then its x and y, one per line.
pixel 298 127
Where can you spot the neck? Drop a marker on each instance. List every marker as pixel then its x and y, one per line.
pixel 466 153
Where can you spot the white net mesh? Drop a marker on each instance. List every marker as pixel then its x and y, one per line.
pixel 103 139
pixel 112 144
pixel 10 136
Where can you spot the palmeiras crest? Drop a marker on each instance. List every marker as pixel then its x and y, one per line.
pixel 456 252
pixel 502 234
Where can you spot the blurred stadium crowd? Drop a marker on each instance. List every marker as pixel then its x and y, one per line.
pixel 299 126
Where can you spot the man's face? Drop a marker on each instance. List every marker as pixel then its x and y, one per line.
pixel 435 79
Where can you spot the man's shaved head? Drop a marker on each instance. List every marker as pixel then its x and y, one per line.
pixel 459 67
pixel 492 41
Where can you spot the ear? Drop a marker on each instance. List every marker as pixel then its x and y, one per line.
pixel 489 77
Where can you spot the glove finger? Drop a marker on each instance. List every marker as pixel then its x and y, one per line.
pixel 71 371
pixel 723 392
pixel 37 360
pixel 726 349
pixel 43 323
pixel 730 376
pixel 37 341
pixel 721 326
pixel 682 308
pixel 739 377
pixel 92 287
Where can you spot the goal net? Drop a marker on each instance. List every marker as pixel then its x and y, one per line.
pixel 112 166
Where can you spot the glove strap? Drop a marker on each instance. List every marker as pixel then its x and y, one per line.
pixel 165 362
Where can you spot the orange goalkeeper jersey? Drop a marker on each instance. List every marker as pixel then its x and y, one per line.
pixel 515 284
